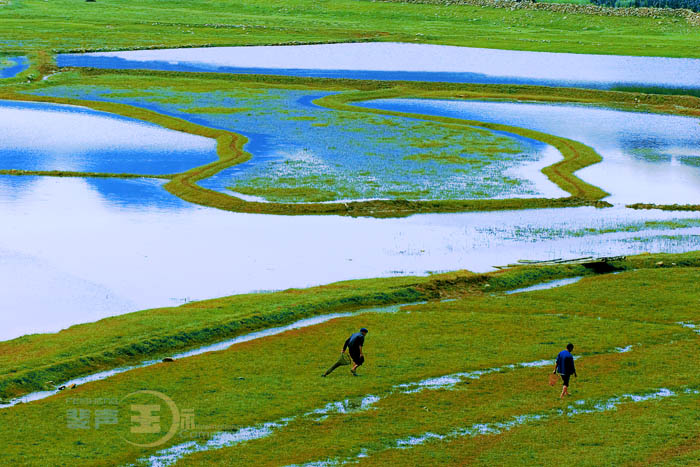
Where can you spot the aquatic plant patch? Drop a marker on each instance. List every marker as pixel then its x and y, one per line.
pixel 304 153
pixel 186 185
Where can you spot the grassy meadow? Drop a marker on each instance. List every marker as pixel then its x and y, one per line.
pixel 110 24
pixel 469 372
pixel 457 377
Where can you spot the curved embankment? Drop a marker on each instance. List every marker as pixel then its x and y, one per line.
pixel 30 363
pixel 230 151
pixel 576 155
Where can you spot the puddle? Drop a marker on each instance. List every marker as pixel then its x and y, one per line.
pixel 303 323
pixel 647 158
pixel 547 285
pixel 220 440
pixel 398 61
pixel 39 136
pixel 12 66
pixel 579 407
pixel 450 381
pixel 694 327
pixel 346 406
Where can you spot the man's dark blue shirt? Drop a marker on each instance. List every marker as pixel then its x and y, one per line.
pixel 565 363
pixel 354 342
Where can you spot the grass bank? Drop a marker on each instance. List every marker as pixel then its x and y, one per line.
pixel 68 173
pixel 624 327
pixel 666 207
pixel 29 362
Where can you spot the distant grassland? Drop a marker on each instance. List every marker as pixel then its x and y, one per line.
pixel 30 26
pixel 278 378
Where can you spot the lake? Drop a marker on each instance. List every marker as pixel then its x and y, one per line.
pixel 80 249
pixel 647 158
pixel 415 62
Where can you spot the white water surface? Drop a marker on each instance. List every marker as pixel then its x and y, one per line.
pixel 547 285
pixel 40 136
pixel 413 61
pixel 72 251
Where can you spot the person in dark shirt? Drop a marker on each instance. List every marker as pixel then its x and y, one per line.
pixel 353 345
pixel 565 368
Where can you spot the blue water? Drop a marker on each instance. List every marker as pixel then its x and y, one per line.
pixel 118 63
pixel 78 139
pixel 17 65
pixel 412 62
pixel 647 158
pixel 137 194
pixel 345 155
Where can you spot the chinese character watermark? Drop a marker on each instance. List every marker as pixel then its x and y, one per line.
pixel 153 418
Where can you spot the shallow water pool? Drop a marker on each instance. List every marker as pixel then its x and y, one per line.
pixel 647 158
pixel 12 66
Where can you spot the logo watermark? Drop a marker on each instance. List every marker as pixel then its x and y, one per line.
pixel 144 418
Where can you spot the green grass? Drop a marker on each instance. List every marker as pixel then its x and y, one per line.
pixel 666 207
pixel 569 2
pixel 68 173
pixel 110 24
pixel 269 379
pixel 29 362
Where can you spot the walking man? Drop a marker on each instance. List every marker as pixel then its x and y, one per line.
pixel 565 367
pixel 354 345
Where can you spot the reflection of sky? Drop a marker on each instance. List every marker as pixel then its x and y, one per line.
pixel 77 250
pixel 365 159
pixel 38 136
pixel 422 62
pixel 628 174
pixel 14 66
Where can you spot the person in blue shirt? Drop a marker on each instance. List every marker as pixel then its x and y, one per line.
pixel 565 368
pixel 353 345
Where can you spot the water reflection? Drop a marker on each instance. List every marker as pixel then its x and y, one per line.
pixel 12 66
pixel 39 136
pixel 421 62
pixel 75 250
pixel 646 157
pixel 306 153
